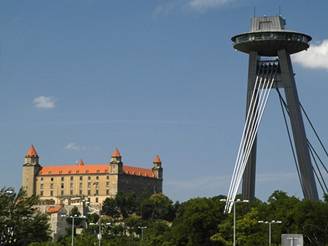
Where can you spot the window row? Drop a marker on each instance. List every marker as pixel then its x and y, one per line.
pixel 96 184
pixel 72 193
pixel 72 178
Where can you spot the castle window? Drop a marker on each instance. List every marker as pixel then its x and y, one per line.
pixel 51 193
pixel 97 193
pixel 81 178
pixel 71 177
pixel 80 192
pixel 89 192
pixel 52 179
pixel 96 199
pixel 97 177
pixel 71 192
pixel 41 193
pixel 62 185
pixel 41 186
pixel 89 177
pixel 41 178
pixel 62 192
pixel 62 178
pixel 107 177
pixel 51 186
pixel 107 192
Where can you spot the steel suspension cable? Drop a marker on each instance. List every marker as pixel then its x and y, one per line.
pixel 264 96
pixel 314 130
pixel 241 145
pixel 315 152
pixel 283 108
pixel 312 152
pixel 267 85
pixel 320 174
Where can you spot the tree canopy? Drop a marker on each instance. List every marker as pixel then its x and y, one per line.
pixel 20 222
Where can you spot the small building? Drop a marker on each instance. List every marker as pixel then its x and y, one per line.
pixel 71 184
pixel 58 224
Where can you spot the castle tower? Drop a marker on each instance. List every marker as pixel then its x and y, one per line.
pixel 116 165
pixel 157 169
pixel 31 168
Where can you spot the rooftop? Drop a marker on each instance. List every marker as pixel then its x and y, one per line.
pixel 103 168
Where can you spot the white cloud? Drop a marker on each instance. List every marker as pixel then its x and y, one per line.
pixel 206 4
pixel 316 57
pixel 166 7
pixel 44 102
pixel 73 146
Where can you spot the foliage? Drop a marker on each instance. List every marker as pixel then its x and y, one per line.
pixel 157 206
pixel 20 222
pixel 198 221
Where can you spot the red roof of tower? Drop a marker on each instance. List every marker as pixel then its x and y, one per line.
pixel 81 163
pixel 157 159
pixel 116 153
pixel 32 152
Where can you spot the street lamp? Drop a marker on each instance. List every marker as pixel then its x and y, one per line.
pixel 234 216
pixel 142 229
pixel 99 236
pixel 269 223
pixel 75 216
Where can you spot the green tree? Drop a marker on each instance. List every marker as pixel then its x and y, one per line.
pixel 110 208
pixel 196 221
pixel 157 206
pixel 76 213
pixel 20 222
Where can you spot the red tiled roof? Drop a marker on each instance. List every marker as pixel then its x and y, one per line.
pixel 116 153
pixel 31 152
pixel 92 169
pixel 157 159
pixel 54 209
pixel 138 171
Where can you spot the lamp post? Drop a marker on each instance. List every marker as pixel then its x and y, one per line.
pixel 234 216
pixel 75 216
pixel 142 229
pixel 269 223
pixel 99 236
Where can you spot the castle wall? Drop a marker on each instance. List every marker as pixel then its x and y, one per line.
pixel 96 187
pixel 139 184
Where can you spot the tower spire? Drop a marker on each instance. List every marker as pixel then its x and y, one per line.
pixel 31 152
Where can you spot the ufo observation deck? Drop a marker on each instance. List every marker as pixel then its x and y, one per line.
pixel 267 43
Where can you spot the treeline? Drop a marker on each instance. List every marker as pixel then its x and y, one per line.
pixel 156 220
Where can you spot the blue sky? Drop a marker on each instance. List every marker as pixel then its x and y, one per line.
pixel 81 77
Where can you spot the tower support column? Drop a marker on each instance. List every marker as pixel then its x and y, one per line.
pixel 248 187
pixel 300 141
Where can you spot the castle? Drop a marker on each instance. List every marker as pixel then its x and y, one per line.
pixel 66 184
